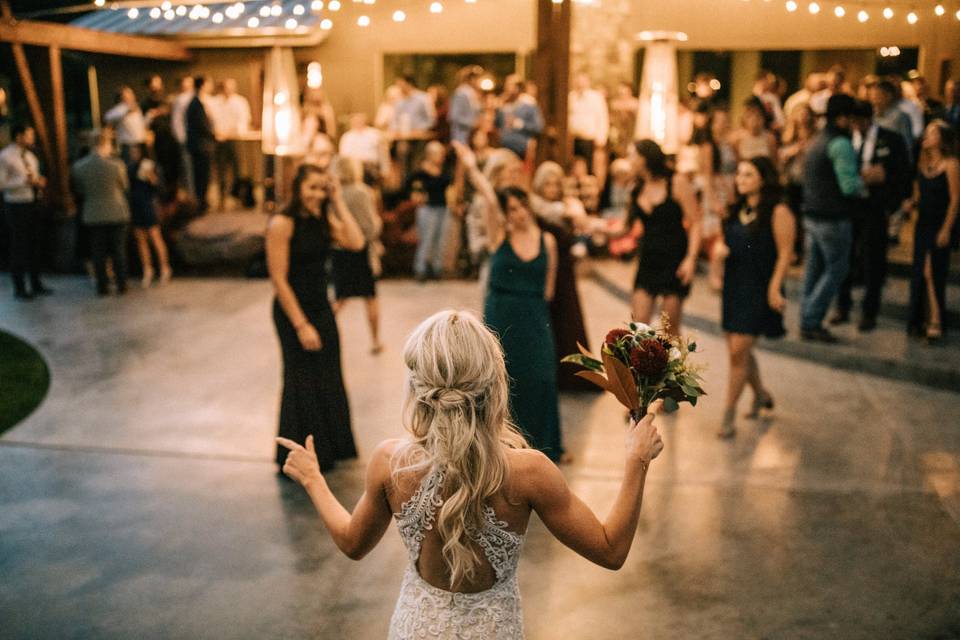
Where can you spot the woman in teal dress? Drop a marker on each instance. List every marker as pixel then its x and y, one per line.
pixel 523 271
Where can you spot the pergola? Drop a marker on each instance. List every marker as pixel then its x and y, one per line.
pixel 57 37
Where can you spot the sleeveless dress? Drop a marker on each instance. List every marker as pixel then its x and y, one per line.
pixel 314 400
pixel 932 211
pixel 747 273
pixel 427 612
pixel 517 312
pixel 662 247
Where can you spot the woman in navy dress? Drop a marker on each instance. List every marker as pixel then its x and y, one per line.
pixel 665 215
pixel 937 196
pixel 314 401
pixel 523 275
pixel 758 235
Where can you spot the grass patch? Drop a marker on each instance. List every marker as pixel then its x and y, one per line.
pixel 24 380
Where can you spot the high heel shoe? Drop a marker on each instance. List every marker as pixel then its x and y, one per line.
pixel 761 402
pixel 728 428
pixel 934 333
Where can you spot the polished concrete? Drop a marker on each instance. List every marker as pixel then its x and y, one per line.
pixel 140 500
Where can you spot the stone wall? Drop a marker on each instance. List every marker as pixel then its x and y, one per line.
pixel 603 41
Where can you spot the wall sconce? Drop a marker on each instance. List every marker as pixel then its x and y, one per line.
pixel 659 97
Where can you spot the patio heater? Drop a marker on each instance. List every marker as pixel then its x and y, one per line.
pixel 659 97
pixel 281 113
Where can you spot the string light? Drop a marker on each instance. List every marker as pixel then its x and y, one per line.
pixel 326 24
pixel 399 16
pixel 363 21
pixel 839 12
pixel 99 3
pixel 912 18
pixel 217 18
pixel 276 10
pixel 436 7
pixel 939 10
pixel 334 5
pixel 791 6
pixel 264 11
pixel 316 5
pixel 863 16
pixel 888 13
pixel 155 13
pixel 298 10
pixel 291 23
pixel 253 22
pixel 814 8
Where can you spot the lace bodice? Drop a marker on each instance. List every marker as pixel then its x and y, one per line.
pixel 425 611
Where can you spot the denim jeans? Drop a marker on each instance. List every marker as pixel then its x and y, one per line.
pixel 827 250
pixel 430 230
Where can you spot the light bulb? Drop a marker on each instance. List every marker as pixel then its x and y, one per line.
pixel 888 13
pixel 217 18
pixel 436 7
pixel 814 8
pixel 363 21
pixel 99 3
pixel 912 17
pixel 316 5
pixel 399 16
pixel 939 10
pixel 298 10
pixel 326 24
pixel 863 16
pixel 155 13
pixel 291 23
pixel 182 10
pixel 253 22
pixel 839 12
pixel 334 5
pixel 791 6
pixel 133 13
pixel 276 10
pixel 264 11
pixel 165 6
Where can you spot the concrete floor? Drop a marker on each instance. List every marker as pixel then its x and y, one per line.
pixel 140 500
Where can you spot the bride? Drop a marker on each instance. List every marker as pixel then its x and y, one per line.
pixel 461 487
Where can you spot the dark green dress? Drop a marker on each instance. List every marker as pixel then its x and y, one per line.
pixel 517 312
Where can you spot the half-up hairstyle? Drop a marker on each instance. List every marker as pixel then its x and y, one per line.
pixel 456 409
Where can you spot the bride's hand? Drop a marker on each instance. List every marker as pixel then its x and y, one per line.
pixel 643 441
pixel 301 463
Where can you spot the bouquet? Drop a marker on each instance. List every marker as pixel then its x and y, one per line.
pixel 640 365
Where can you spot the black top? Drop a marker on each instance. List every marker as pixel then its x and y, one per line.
pixel 433 186
pixel 934 200
pixel 663 245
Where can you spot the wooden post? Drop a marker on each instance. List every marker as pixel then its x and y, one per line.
pixel 552 75
pixel 60 130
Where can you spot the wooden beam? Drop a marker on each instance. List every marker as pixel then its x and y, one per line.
pixel 62 174
pixel 552 75
pixel 33 102
pixel 46 34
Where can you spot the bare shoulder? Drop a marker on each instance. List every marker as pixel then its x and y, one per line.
pixel 551 243
pixel 533 473
pixel 280 226
pixel 782 211
pixel 952 166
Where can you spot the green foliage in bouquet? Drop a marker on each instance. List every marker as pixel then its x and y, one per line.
pixel 640 365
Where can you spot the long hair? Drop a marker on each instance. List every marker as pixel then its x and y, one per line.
pixel 456 408
pixel 771 193
pixel 655 158
pixel 948 138
pixel 294 208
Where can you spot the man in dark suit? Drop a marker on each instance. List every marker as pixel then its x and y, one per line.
pixel 886 169
pixel 201 141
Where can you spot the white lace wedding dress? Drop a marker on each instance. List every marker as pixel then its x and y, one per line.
pixel 425 611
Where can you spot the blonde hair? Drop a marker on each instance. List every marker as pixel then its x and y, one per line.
pixel 456 408
pixel 544 172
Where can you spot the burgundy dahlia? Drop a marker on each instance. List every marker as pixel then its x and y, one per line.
pixel 649 358
pixel 615 334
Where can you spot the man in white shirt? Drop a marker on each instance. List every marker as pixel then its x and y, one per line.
pixel 126 118
pixel 20 182
pixel 364 144
pixel 231 120
pixel 589 120
pixel 178 124
pixel 815 82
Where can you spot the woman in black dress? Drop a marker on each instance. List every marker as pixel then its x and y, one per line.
pixel 758 235
pixel 937 196
pixel 664 213
pixel 314 401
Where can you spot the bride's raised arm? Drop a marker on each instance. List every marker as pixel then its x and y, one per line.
pixel 573 523
pixel 357 533
pixel 493 215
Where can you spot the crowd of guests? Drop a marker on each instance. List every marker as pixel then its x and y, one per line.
pixel 448 185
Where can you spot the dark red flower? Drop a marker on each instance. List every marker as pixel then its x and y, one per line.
pixel 649 358
pixel 615 334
